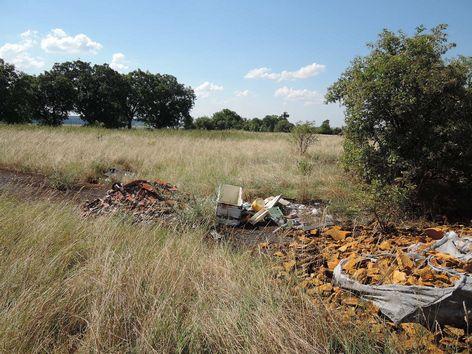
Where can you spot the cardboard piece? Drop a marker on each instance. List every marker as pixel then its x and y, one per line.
pixel 229 207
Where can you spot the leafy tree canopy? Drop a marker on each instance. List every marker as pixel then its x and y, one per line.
pixel 227 119
pixel 54 97
pixel 16 95
pixel 163 101
pixel 204 123
pixel 409 116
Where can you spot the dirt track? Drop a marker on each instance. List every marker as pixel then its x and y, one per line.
pixel 29 186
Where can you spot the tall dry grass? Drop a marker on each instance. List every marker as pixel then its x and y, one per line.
pixel 196 161
pixel 104 285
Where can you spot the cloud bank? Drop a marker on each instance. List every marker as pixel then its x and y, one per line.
pixel 18 53
pixel 306 96
pixel 58 41
pixel 206 89
pixel 302 73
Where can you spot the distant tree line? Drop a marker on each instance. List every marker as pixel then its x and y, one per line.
pixel 228 119
pixel 102 96
pixel 97 93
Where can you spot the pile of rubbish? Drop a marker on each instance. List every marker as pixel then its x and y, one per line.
pixel 233 211
pixel 413 278
pixel 145 200
pixel 399 269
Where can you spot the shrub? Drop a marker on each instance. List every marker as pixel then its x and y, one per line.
pixel 409 119
pixel 303 135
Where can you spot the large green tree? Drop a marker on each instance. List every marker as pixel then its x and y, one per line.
pixel 107 92
pixel 253 125
pixel 409 117
pixel 204 123
pixel 227 119
pixel 138 82
pixel 325 128
pixel 100 93
pixel 269 122
pixel 16 95
pixel 54 97
pixel 283 125
pixel 162 102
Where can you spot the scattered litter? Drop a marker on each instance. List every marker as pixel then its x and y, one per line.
pixel 257 204
pixel 275 210
pixel 259 216
pixel 118 174
pixel 229 206
pixel 216 235
pixel 276 215
pixel 145 200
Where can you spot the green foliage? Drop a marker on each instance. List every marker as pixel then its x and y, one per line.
pixel 227 119
pixel 54 97
pixel 303 135
pixel 16 95
pixel 305 166
pixel 204 123
pixel 283 125
pixel 325 128
pixel 386 201
pixel 188 123
pixel 99 94
pixel 162 102
pixel 253 125
pixel 269 122
pixel 409 118
pixel 102 96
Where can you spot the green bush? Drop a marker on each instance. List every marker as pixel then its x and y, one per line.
pixel 409 119
pixel 303 135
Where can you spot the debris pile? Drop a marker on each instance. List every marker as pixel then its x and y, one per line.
pixel 145 200
pixel 233 211
pixel 410 276
pixel 400 270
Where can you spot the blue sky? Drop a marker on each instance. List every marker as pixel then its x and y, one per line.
pixel 298 47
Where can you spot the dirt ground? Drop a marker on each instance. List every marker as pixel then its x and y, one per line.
pixel 30 186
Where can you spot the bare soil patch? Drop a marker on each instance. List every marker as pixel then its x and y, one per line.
pixel 32 186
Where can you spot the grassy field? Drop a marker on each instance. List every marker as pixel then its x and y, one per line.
pixel 68 283
pixel 104 284
pixel 197 161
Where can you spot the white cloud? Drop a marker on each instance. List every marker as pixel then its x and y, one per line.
pixel 118 62
pixel 261 73
pixel 57 41
pixel 244 93
pixel 25 61
pixel 306 96
pixel 302 73
pixel 205 89
pixel 17 53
